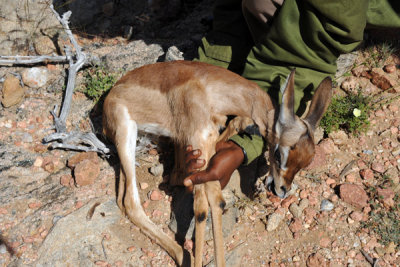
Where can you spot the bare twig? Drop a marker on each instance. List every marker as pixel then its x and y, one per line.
pixel 26 60
pixel 69 140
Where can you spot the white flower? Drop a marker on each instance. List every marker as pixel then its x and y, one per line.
pixel 356 112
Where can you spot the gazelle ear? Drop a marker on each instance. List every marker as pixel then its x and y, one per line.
pixel 286 113
pixel 319 103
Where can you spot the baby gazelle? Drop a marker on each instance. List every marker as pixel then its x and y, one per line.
pixel 190 102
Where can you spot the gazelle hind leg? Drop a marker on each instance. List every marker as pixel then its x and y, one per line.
pixel 217 205
pixel 126 135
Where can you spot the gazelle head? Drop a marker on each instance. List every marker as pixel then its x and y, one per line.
pixel 293 146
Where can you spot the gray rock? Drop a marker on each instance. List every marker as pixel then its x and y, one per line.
pixel 274 220
pixel 326 205
pixel 35 77
pixel 157 170
pixel 76 241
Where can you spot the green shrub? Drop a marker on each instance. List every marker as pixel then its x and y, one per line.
pixel 349 113
pixel 98 82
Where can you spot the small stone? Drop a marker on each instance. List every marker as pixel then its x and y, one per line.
pixel 325 242
pixel 304 203
pixel 390 68
pixel 295 210
pixel 78 204
pixel 339 137
pixel 157 170
pixel 38 162
pixel 35 77
pixel 65 180
pixel 378 167
pixel 143 185
pixel 79 157
pixel 390 248
pixel 287 201
pixel 357 216
pixel 386 195
pixel 350 178
pixel 326 205
pixel 330 181
pixel 274 220
pixel 303 194
pixel 354 195
pixel 296 259
pixel 86 172
pixel 13 93
pixel 101 263
pixel 43 45
pixel 296 225
pixel 318 159
pixel 156 195
pixel 3 248
pixel 316 260
pixel 328 146
pixel 34 205
pixel 131 248
pixel 367 174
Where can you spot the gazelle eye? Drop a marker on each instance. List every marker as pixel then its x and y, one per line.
pixel 277 156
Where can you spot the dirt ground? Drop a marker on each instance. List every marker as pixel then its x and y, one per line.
pixel 50 218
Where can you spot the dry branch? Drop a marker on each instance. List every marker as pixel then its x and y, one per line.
pixel 68 140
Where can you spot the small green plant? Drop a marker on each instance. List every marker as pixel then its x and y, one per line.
pixel 98 82
pixel 378 54
pixel 349 113
pixel 384 221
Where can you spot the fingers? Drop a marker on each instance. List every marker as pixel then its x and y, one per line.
pixel 197 178
pixel 192 161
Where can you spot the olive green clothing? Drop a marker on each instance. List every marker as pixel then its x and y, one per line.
pixel 308 35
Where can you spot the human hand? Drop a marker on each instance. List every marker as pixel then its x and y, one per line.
pixel 228 157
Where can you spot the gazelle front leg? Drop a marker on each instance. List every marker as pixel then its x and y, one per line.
pixel 217 205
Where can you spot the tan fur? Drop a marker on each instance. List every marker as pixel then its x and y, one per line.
pixel 188 101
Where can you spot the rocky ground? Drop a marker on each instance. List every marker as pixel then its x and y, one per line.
pixel 57 208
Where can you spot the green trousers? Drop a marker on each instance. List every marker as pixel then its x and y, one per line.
pixel 308 35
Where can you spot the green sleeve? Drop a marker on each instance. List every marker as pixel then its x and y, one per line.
pixel 252 146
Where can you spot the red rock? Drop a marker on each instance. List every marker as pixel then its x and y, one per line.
pixel 101 263
pixel 309 214
pixel 287 201
pixel 330 181
pixel 357 216
pixel 303 194
pixel 40 148
pixel 380 79
pixel 74 160
pixel 325 242
pixel 3 211
pixel 390 68
pixel 318 159
pixel 386 195
pixel 65 180
pixel 296 225
pixel 131 248
pixel 393 108
pixel 86 172
pixel 316 260
pixel 328 146
pixel 354 195
pixel 378 167
pixel 367 174
pixel 156 195
pixel 34 205
pixel 78 204
pixel 350 178
pixel 380 113
pixel 359 70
